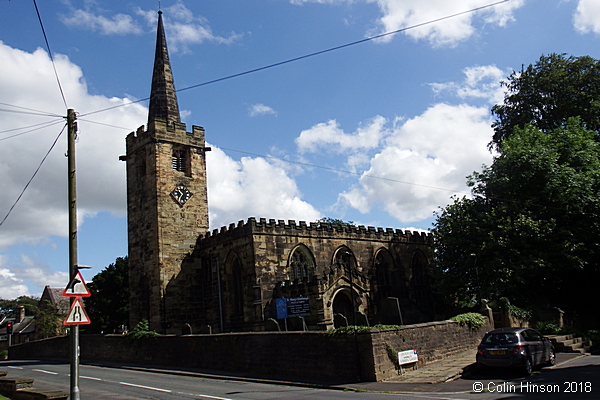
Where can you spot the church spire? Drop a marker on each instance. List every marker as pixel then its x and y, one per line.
pixel 163 98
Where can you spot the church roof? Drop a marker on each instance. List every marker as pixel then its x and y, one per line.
pixel 163 97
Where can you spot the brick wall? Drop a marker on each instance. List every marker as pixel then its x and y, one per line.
pixel 300 356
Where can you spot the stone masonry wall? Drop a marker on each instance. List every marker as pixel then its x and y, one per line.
pixel 433 341
pixel 299 356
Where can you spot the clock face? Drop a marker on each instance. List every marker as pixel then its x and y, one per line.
pixel 181 194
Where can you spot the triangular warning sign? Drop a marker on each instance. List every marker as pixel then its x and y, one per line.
pixel 77 287
pixel 77 314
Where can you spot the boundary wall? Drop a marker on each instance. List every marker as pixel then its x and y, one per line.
pixel 294 356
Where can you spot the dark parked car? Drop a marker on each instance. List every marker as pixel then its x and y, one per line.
pixel 522 348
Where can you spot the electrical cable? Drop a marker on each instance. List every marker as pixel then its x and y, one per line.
pixel 103 124
pixel 277 64
pixel 387 179
pixel 341 170
pixel 32 111
pixel 33 176
pixel 36 127
pixel 50 53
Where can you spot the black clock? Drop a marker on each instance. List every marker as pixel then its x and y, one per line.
pixel 181 194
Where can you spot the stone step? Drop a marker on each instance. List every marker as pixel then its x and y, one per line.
pixel 22 389
pixel 39 394
pixel 560 338
pixel 9 385
pixel 572 342
pixel 569 344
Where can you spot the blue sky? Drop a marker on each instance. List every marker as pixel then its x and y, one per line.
pixel 381 133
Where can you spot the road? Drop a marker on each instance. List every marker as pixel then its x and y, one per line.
pixel 99 383
pixel 577 379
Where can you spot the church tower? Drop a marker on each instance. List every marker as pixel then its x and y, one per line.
pixel 167 207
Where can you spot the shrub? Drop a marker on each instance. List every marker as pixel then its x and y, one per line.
pixel 141 330
pixel 344 330
pixel 472 320
pixel 547 328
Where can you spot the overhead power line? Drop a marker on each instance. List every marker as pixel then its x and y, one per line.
pixel 33 176
pixel 342 171
pixel 35 127
pixel 291 60
pixel 29 111
pixel 50 53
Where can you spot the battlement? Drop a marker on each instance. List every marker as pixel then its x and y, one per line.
pixel 159 129
pixel 314 229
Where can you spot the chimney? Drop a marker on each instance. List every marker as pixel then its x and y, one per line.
pixel 20 314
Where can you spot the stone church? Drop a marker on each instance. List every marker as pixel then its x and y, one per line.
pixel 254 275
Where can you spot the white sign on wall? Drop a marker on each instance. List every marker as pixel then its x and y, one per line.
pixel 407 357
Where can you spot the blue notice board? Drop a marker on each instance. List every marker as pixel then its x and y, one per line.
pixel 281 305
pixel 292 307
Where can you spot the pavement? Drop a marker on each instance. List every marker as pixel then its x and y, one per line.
pixel 455 373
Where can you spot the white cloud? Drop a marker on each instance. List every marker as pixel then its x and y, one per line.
pixel 27 80
pixel 415 165
pixel 260 109
pixel 424 162
pixel 481 82
pixel 184 28
pixel 16 272
pixel 11 287
pixel 252 187
pixel 587 16
pixel 119 24
pixel 449 32
pixel 329 136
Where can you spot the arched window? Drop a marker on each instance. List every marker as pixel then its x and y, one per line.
pixel 236 284
pixel 383 265
pixel 301 263
pixel 344 258
pixel 420 281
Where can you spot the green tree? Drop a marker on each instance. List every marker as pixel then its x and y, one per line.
pixel 108 306
pixel 530 232
pixel 333 221
pixel 48 321
pixel 546 94
pixel 8 306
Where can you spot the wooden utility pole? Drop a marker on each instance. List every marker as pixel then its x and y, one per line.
pixel 74 334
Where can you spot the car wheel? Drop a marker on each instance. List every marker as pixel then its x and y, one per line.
pixel 552 359
pixel 527 367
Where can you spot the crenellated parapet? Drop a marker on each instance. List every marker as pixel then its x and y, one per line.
pixel 316 229
pixel 161 131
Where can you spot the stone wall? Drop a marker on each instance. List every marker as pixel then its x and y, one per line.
pixel 299 356
pixel 433 341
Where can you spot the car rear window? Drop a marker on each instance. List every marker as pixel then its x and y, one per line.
pixel 500 338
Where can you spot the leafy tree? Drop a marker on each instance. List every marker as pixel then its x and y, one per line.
pixel 48 321
pixel 333 221
pixel 546 94
pixel 8 306
pixel 108 306
pixel 530 232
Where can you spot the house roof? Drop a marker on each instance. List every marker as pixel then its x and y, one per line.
pixel 56 299
pixel 19 328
